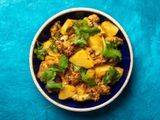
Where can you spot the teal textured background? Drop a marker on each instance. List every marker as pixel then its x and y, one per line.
pixel 20 99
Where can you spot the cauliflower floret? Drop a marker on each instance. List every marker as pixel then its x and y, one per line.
pixel 72 76
pixel 92 20
pixel 81 94
pixel 116 39
pixel 56 27
pixel 98 59
pixel 64 47
pixel 103 89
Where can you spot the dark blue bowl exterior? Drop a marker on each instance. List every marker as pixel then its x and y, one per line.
pixel 125 63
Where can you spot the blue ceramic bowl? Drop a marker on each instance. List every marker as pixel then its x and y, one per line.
pixel 127 61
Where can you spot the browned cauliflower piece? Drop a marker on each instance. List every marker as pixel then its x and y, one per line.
pixel 103 89
pixel 68 49
pixel 84 92
pixel 72 37
pixel 55 28
pixel 98 59
pixel 64 47
pixel 97 91
pixel 72 76
pixel 93 93
pixel 81 94
pixel 116 39
pixel 59 45
pixel 92 19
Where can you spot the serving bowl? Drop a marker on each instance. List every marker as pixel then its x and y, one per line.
pixel 43 34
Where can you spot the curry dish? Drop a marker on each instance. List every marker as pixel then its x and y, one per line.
pixel 79 60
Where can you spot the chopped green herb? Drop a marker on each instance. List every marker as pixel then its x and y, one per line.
pixel 79 41
pixel 113 44
pixel 40 52
pixel 111 76
pixel 111 53
pixel 63 62
pixel 53 48
pixel 83 22
pixel 53 85
pixel 90 30
pixel 77 67
pixel 48 74
pixel 84 77
pixel 83 31
pixel 57 34
pixel 55 68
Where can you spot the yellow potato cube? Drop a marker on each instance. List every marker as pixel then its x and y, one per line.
pixel 101 70
pixel 67 92
pixel 82 59
pixel 120 70
pixel 109 28
pixel 69 23
pixel 96 43
pixel 90 73
pixel 47 44
pixel 80 89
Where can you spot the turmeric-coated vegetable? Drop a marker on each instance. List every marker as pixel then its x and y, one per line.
pixel 81 58
pixel 109 28
pixel 96 43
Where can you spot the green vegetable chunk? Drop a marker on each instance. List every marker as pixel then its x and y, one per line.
pixel 109 52
pixel 53 48
pixel 63 62
pixel 57 34
pixel 90 30
pixel 84 77
pixel 40 52
pixel 83 32
pixel 79 41
pixel 48 74
pixel 55 68
pixel 53 85
pixel 114 44
pixel 111 76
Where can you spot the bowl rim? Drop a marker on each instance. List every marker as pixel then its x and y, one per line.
pixel 31 57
